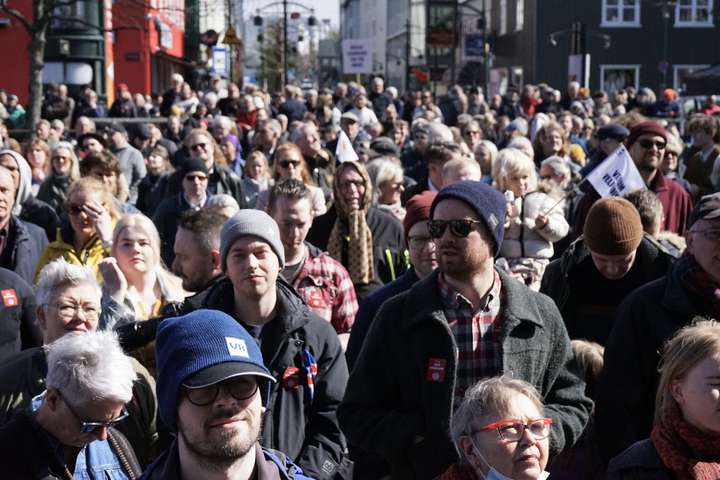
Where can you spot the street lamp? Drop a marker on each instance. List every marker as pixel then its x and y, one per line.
pixel 312 21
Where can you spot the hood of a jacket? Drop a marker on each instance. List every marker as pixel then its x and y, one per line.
pixel 24 188
pixel 292 310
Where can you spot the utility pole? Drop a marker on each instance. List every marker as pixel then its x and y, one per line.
pixel 407 53
pixel 285 49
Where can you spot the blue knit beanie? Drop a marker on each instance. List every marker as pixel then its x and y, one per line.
pixel 488 203
pixel 200 349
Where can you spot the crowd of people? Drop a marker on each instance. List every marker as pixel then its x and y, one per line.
pixel 212 284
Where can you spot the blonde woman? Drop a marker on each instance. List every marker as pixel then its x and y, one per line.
pixel 64 169
pixel 136 285
pixel 685 439
pixel 257 177
pixel 533 223
pixel 86 239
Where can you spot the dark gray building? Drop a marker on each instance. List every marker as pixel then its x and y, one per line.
pixel 644 43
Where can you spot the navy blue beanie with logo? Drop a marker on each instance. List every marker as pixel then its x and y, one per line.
pixel 488 203
pixel 203 348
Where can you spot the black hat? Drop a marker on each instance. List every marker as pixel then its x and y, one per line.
pixel 190 165
pixel 117 127
pixel 708 208
pixel 94 135
pixel 382 146
pixel 614 131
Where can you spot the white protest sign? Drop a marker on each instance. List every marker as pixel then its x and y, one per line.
pixel 616 175
pixel 357 55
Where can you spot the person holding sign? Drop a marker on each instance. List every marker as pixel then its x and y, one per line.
pixel 646 147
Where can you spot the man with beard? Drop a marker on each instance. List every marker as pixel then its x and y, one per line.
pixel 646 145
pixel 197 249
pixel 464 322
pixel 212 390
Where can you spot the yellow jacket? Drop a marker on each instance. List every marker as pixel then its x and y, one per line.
pixel 89 255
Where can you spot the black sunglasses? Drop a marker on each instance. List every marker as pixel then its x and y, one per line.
pixel 648 144
pixel 287 163
pixel 241 388
pixel 459 228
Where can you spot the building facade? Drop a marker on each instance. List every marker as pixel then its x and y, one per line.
pixel 629 42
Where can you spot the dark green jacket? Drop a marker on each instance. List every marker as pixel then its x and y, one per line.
pixel 389 403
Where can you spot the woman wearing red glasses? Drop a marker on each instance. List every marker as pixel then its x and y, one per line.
pixel 501 431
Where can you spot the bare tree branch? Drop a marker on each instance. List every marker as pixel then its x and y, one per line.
pixel 19 17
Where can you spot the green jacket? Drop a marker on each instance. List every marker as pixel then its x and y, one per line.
pixel 389 403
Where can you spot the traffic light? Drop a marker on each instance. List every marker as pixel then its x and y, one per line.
pixel 258 21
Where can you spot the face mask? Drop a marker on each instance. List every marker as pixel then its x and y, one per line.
pixel 493 474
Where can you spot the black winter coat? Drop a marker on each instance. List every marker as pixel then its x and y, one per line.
pixel 166 219
pixel 560 284
pixel 41 214
pixel 639 462
pixel 53 192
pixel 646 320
pixel 18 329
pixel 307 431
pixel 389 402
pixel 27 244
pixel 388 246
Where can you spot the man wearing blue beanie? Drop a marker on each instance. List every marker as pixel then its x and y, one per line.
pixel 212 387
pixel 301 350
pixel 465 322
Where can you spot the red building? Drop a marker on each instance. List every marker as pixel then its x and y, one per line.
pixel 14 43
pixel 149 43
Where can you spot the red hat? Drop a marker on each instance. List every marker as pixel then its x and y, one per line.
pixel 417 209
pixel 647 127
pixel 122 86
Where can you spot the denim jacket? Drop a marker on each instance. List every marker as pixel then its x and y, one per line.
pixel 95 461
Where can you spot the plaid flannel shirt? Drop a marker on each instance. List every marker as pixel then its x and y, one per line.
pixel 326 287
pixel 476 332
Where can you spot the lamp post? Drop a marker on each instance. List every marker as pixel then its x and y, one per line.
pixel 258 21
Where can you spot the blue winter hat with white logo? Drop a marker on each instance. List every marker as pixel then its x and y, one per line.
pixel 200 349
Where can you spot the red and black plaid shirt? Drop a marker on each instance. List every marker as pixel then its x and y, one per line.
pixel 477 333
pixel 326 287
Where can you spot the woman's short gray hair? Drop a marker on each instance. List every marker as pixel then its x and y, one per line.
pixel 88 367
pixel 558 165
pixel 383 170
pixel 487 397
pixel 60 274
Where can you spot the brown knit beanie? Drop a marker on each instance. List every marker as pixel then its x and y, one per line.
pixel 613 227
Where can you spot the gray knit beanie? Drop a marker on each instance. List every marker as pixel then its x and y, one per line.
pixel 251 222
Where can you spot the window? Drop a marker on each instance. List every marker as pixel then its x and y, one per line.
pixel 681 71
pixel 519 15
pixel 693 13
pixel 620 13
pixel 615 77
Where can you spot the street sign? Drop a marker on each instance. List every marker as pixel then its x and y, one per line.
pixel 474 46
pixel 219 61
pixel 231 37
pixel 357 55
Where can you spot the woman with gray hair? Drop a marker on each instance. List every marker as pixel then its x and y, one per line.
pixel 501 432
pixel 69 427
pixel 387 179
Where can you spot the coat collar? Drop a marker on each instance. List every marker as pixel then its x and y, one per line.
pixel 424 301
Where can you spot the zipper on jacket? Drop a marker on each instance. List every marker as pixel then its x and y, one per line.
pixel 522 226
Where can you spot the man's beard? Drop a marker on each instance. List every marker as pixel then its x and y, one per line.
pixel 218 453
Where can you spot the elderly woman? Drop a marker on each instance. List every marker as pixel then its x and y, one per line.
pixel 534 220
pixel 86 239
pixel 290 163
pixel 501 432
pixel 64 169
pixel 685 440
pixel 68 298
pixel 136 285
pixel 551 140
pixel 70 426
pixel 387 179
